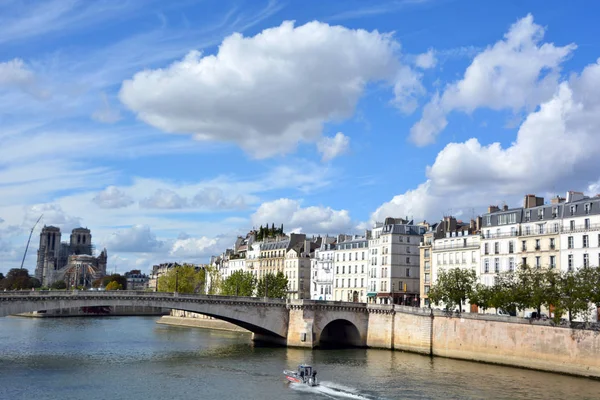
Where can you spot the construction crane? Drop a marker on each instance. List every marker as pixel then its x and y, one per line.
pixel 28 240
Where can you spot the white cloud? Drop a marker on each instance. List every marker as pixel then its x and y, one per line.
pixel 112 197
pixel 555 150
pixel 15 73
pixel 138 238
pixel 332 147
pixel 426 60
pixel 165 199
pixel 200 248
pixel 53 214
pixel 515 73
pixel 268 92
pixel 310 220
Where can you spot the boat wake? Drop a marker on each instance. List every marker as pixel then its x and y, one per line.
pixel 331 390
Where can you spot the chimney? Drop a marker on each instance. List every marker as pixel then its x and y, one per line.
pixel 531 200
pixel 472 225
pixel 493 209
pixel 505 207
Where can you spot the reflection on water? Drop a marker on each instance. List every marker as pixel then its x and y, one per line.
pixel 135 358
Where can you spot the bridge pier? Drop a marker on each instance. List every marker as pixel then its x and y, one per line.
pixel 301 331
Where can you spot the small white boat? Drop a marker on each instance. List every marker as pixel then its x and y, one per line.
pixel 305 375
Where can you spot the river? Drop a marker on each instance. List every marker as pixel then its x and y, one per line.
pixel 136 358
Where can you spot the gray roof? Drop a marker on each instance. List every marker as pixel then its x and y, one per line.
pixel 579 210
pixel 282 244
pixel 494 217
pixel 403 229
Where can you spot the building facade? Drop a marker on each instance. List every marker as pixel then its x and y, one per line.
pixel 322 274
pixel 394 262
pixel 580 232
pixel 351 264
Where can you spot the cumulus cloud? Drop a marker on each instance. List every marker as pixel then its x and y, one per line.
pixel 137 239
pixel 310 220
pixel 15 73
pixel 53 214
pixel 200 248
pixel 555 150
pixel 426 60
pixel 268 92
pixel 516 73
pixel 332 147
pixel 112 197
pixel 164 199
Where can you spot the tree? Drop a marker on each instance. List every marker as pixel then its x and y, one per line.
pixel 273 286
pixel 19 279
pixel 572 295
pixel 214 279
pixel 59 285
pixel 453 287
pixel 589 277
pixel 113 278
pixel 533 288
pixel 239 283
pixel 504 292
pixel 182 279
pixel 114 285
pixel 483 296
pixel 1 276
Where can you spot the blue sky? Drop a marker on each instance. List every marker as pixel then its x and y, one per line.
pixel 168 128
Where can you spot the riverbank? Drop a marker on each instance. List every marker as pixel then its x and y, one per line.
pixel 194 320
pixel 98 311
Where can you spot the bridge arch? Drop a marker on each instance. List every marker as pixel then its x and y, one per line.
pixel 340 333
pixel 268 320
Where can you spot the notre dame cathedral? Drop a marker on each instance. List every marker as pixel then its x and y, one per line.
pixel 72 262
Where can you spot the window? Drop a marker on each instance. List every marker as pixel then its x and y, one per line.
pixel 362 269
pixel 527 215
pixel 570 242
pixel 486 266
pixel 356 269
pixel 552 245
pixel 426 254
pixel 337 269
pixel 524 261
pixel 363 255
pixel 556 228
pixel 408 272
pixel 408 260
pixel 586 223
pixel 496 248
pixel 570 262
pixel 528 230
pixel 541 213
pixel 586 241
pixel 427 278
pixel 538 261
pixel 488 220
pixel 586 260
pixel 336 283
pixel 407 250
pixel 540 229
pixel 554 212
pixel 524 245
pixel 344 257
pixel 486 248
pixel 587 208
pixel 572 225
pixel 537 244
pixel 343 269
pixel 427 266
pixel 511 247
pixel 573 209
pixel 426 292
pixel 511 264
pixel 362 282
pixel 496 265
pixel 552 261
pixel 513 231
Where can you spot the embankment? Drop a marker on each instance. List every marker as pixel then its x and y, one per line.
pixel 185 318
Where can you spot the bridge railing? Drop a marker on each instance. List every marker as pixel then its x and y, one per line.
pixel 135 293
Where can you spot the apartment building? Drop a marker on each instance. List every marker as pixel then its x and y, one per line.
pixel 540 233
pixel 425 265
pixel 298 268
pixel 455 245
pixel 394 267
pixel 273 251
pixel 580 231
pixel 499 242
pixel 322 271
pixel 351 267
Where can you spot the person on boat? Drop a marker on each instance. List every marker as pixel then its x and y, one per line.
pixel 302 374
pixel 314 374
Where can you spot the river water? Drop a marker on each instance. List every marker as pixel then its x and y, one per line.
pixel 136 358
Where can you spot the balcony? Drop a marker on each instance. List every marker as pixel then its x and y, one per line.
pixel 455 246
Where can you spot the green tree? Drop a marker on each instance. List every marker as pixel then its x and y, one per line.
pixel 483 296
pixel 120 279
pixel 59 285
pixel 239 283
pixel 182 279
pixel 1 276
pixel 533 288
pixel 273 286
pixel 504 292
pixel 453 287
pixel 589 277
pixel 573 297
pixel 114 285
pixel 19 279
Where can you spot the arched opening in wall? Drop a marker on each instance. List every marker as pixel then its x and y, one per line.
pixel 340 333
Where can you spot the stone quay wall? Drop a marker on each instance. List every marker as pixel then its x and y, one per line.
pixel 487 338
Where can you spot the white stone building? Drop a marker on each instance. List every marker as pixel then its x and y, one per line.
pixel 351 265
pixel 580 232
pixel 322 271
pixel 394 266
pixel 499 243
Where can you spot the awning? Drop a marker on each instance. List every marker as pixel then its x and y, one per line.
pixel 371 294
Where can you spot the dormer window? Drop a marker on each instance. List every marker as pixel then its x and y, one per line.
pixel 554 212
pixel 541 213
pixel 588 206
pixel 528 215
pixel 573 210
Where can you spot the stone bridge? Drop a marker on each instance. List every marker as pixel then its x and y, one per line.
pixel 302 323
